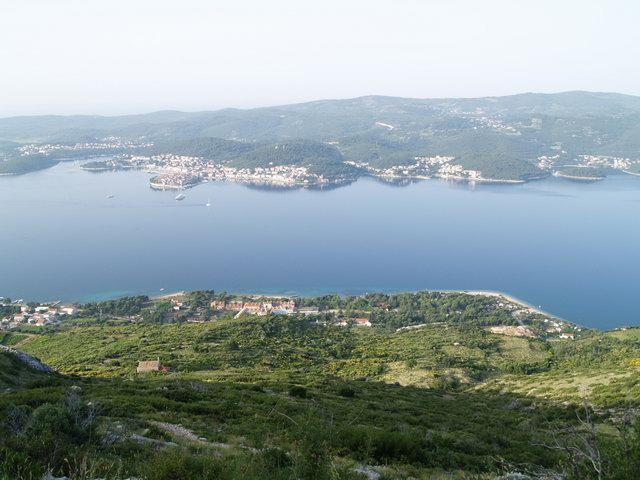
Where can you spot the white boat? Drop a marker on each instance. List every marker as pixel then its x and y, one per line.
pixel 208 204
pixel 109 196
pixel 180 196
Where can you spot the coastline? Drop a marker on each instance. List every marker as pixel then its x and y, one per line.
pixel 512 299
pixel 486 293
pixel 341 182
pixel 277 184
pixel 168 295
pixel 162 186
pixel 481 179
pixel 326 182
pixel 578 178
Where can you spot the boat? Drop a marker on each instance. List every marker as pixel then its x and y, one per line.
pixel 208 204
pixel 180 196
pixel 109 196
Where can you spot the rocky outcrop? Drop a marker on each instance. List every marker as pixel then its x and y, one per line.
pixel 512 331
pixel 27 359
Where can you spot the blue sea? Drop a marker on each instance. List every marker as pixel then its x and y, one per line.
pixel 571 248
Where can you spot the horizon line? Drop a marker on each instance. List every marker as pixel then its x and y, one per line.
pixel 318 100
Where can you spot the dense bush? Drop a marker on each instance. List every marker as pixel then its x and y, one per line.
pixel 46 435
pixel 298 391
pixel 119 306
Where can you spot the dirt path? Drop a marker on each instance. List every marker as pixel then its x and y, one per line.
pixel 184 433
pixel 27 338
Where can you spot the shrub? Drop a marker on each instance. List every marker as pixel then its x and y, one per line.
pixel 298 391
pixel 311 459
pixel 347 392
pixel 16 419
pixel 179 465
pixel 183 395
pixel 275 458
pixel 50 420
pixel 446 382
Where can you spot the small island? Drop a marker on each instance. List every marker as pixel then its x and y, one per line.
pixel 106 165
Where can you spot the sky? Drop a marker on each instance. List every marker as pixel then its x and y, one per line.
pixel 115 56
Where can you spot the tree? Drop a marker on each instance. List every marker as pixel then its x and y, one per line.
pixel 591 454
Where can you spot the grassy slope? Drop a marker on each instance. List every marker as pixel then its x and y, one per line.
pixel 363 397
pixel 231 382
pixel 603 369
pixel 15 374
pixel 414 432
pixel 286 344
pixel 599 367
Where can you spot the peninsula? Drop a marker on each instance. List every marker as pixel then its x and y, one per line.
pixel 204 381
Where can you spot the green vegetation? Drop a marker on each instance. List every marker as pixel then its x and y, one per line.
pixel 601 368
pixel 10 339
pixel 216 149
pixel 18 165
pixel 14 374
pixel 319 158
pixel 590 173
pixel 102 165
pixel 274 427
pixel 117 307
pixel 426 392
pixel 283 343
pixel 502 137
pixel 8 309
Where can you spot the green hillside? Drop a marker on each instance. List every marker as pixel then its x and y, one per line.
pixel 427 391
pixel 286 344
pixel 502 137
pixel 15 374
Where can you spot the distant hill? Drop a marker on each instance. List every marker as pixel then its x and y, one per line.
pixel 501 137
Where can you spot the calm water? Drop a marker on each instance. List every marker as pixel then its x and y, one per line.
pixel 571 248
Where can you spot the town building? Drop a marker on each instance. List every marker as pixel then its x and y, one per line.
pixel 308 310
pixel 150 366
pixel 362 322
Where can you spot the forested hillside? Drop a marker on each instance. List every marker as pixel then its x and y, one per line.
pixel 503 138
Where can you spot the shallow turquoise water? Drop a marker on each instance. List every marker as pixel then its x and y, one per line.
pixel 570 247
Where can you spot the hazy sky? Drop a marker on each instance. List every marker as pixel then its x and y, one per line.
pixel 117 56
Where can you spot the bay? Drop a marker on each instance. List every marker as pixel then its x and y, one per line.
pixel 571 248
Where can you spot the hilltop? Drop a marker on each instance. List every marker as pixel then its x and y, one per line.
pixel 510 139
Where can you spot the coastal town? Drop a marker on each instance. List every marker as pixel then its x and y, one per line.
pixel 14 314
pixel 204 307
pixel 423 168
pixel 104 145
pixel 429 167
pixel 587 167
pixel 179 171
pixel 184 171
